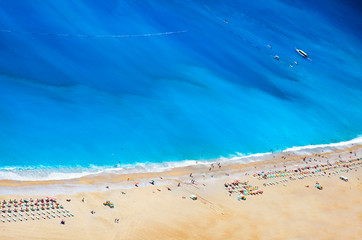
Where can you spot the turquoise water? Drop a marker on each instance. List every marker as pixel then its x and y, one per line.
pixel 87 83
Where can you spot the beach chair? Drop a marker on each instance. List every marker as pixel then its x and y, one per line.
pixel 3 220
pixel 25 219
pixel 37 218
pixel 8 219
pixel 20 219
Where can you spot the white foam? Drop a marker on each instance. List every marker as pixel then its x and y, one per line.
pixel 43 173
pixel 309 149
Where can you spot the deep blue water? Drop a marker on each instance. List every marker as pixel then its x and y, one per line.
pixel 211 90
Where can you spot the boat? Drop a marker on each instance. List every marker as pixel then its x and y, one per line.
pixel 302 53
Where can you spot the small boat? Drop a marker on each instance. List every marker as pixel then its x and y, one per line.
pixel 302 53
pixel 276 57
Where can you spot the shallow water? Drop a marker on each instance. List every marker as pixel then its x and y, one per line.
pixel 81 87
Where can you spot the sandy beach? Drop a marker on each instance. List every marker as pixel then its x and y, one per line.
pixel 180 120
pixel 289 207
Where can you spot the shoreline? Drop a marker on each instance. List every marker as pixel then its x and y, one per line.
pixel 125 180
pixel 288 207
pixel 14 175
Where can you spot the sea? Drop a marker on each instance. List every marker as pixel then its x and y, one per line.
pixel 93 86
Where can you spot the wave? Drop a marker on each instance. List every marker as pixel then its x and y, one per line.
pixel 48 173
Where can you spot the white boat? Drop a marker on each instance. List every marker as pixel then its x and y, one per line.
pixel 302 53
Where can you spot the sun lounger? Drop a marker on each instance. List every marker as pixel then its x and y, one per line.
pixel 20 219
pixel 32 217
pixel 3 220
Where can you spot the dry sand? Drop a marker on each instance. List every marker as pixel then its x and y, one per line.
pixel 284 211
